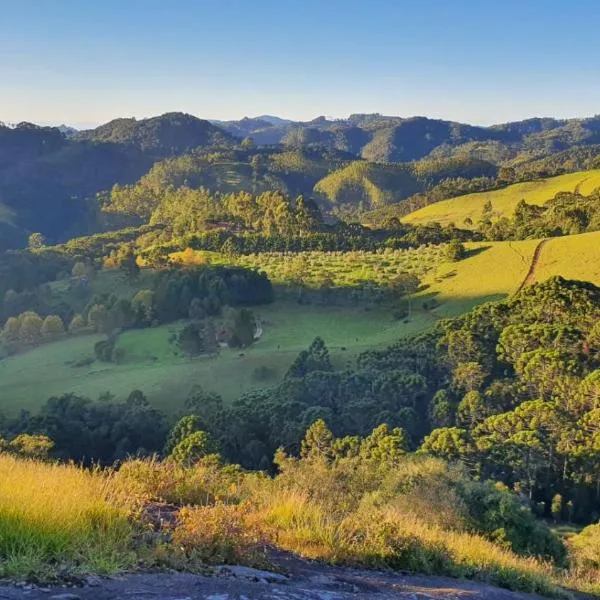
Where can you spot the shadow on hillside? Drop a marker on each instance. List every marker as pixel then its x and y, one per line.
pixel 476 251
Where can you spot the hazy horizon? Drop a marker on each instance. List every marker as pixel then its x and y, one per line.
pixel 92 125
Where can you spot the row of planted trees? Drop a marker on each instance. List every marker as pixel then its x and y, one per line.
pixel 30 328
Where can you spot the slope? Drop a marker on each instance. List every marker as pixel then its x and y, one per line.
pixel 154 364
pixel 573 257
pixel 503 201
pixel 493 270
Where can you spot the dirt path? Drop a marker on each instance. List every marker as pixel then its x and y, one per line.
pixel 305 581
pixel 533 266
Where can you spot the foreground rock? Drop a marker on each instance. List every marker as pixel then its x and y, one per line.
pixel 306 581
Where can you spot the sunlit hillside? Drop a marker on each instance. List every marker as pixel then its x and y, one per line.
pixel 458 210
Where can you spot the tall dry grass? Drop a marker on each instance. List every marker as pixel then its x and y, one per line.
pixel 387 538
pixel 60 519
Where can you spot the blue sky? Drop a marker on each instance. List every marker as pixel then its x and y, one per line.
pixel 85 61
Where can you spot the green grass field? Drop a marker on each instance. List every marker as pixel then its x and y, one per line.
pixel 504 200
pixel 151 365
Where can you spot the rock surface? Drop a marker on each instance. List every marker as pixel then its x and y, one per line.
pixel 304 581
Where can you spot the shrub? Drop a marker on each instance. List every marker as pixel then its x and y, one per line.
pixel 585 547
pixel 220 534
pixel 455 251
pixel 52 327
pixel 77 324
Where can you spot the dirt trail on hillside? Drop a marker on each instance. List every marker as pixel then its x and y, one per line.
pixel 303 581
pixel 529 278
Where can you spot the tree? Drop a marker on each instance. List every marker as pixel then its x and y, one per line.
pixel 404 286
pixel 30 327
pixel 488 210
pixel 455 251
pixel 77 324
pixel 524 440
pixel 99 319
pixel 472 410
pixel 239 327
pixel 181 430
pixel 127 261
pixel 52 327
pixel 468 376
pixel 11 328
pixel 318 442
pixel 193 448
pixel 36 241
pixel 441 411
pixel 384 445
pixel 79 270
pixel 449 443
pixel 143 306
pixel 556 507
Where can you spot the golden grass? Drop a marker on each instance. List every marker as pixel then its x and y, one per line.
pixel 572 257
pixel 504 201
pixel 59 518
pixel 389 538
pixel 491 271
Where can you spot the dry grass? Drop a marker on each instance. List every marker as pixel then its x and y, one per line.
pixel 388 538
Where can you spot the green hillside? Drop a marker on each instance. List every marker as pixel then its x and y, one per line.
pixel 153 366
pixel 368 184
pixel 373 185
pixel 503 201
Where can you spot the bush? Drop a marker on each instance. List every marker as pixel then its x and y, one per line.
pixel 455 251
pixel 497 513
pixel 585 547
pixel 77 324
pixel 52 327
pixel 220 534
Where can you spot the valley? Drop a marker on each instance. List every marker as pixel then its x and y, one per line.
pixel 223 350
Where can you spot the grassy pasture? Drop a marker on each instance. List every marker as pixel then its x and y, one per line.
pixel 504 200
pixel 573 257
pixel 152 366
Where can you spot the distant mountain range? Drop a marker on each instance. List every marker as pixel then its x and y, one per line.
pixel 49 176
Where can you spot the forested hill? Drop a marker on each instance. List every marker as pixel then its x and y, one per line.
pixel 396 139
pixel 55 181
pixel 167 135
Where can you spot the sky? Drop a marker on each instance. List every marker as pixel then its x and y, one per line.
pixel 84 62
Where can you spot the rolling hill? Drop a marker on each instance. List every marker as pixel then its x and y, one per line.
pixel 504 200
pixel 167 135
